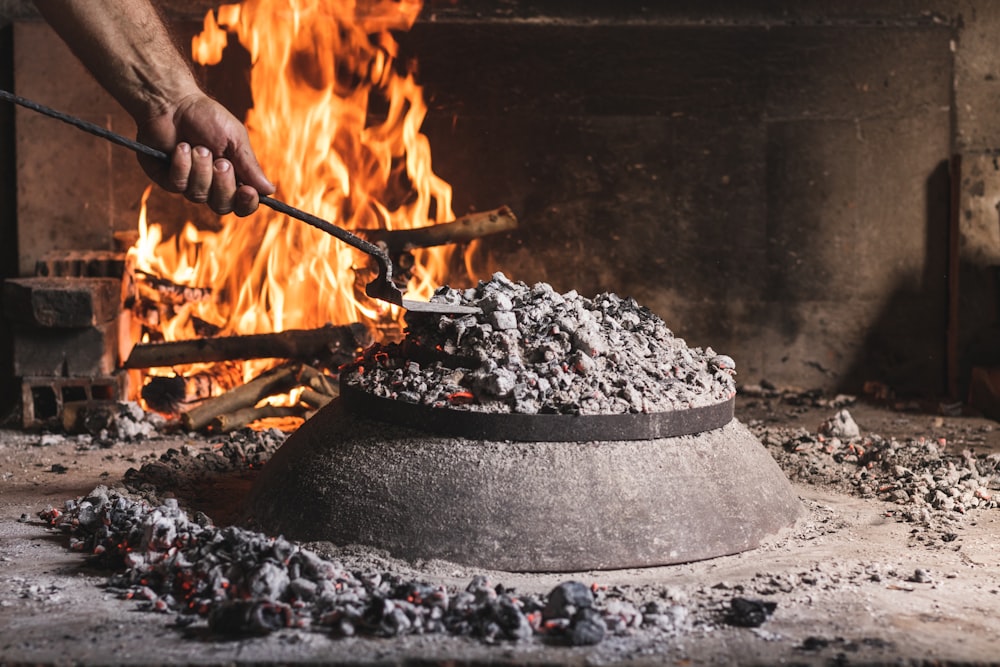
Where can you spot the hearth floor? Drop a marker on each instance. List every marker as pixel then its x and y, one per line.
pixel 853 584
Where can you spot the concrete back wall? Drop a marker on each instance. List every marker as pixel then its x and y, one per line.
pixel 777 191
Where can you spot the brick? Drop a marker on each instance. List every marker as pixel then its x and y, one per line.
pixel 81 264
pixel 43 399
pixel 88 352
pixel 61 302
pixel 76 202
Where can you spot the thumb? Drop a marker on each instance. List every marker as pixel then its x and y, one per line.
pixel 248 170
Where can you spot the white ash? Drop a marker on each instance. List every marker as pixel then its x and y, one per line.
pixel 50 439
pixel 132 423
pixel 107 424
pixel 532 350
pixel 842 426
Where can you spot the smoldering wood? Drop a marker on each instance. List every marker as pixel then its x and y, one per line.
pixel 292 344
pixel 314 398
pixel 232 421
pixel 463 229
pixel 317 381
pixel 164 394
pixel 150 313
pixel 168 394
pixel 275 381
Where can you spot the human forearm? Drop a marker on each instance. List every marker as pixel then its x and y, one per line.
pixel 125 45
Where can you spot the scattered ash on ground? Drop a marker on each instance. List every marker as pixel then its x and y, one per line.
pixel 532 350
pixel 926 483
pixel 174 560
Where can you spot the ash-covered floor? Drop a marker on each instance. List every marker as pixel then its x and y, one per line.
pixel 894 562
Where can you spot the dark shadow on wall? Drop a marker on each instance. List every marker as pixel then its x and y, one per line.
pixel 979 322
pixel 8 219
pixel 906 348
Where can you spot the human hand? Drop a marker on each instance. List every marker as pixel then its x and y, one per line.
pixel 211 161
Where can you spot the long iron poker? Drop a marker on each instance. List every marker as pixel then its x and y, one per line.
pixel 382 287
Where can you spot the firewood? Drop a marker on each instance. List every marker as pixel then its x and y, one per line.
pixel 275 381
pixel 163 290
pixel 292 344
pixel 463 229
pixel 314 398
pixel 240 418
pixel 318 382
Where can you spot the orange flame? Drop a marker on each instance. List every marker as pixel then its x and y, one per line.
pixel 318 67
pixel 207 47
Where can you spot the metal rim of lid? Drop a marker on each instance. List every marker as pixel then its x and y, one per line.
pixel 536 427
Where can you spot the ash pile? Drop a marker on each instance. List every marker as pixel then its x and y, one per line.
pixel 532 350
pixel 924 483
pixel 245 583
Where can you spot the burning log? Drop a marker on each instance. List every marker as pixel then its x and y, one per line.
pixel 318 388
pixel 166 291
pixel 466 228
pixel 293 344
pixel 314 398
pixel 232 421
pixel 166 394
pixel 275 381
pixel 318 382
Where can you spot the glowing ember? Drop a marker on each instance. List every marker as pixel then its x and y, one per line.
pixel 317 69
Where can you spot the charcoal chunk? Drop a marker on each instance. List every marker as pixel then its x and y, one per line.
pixel 249 617
pixel 566 599
pixel 749 612
pixel 587 628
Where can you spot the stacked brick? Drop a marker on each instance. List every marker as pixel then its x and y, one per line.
pixel 65 333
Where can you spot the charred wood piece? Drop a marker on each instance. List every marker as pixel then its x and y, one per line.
pixel 314 399
pixel 167 291
pixel 462 230
pixel 168 394
pixel 237 419
pixel 322 384
pixel 275 381
pixel 293 344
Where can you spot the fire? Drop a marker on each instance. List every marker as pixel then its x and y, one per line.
pixel 336 125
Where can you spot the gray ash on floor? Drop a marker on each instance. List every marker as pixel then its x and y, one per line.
pixel 182 470
pixel 532 350
pixel 245 583
pixel 239 582
pixel 925 483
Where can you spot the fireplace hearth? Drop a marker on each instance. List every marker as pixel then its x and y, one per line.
pixel 811 190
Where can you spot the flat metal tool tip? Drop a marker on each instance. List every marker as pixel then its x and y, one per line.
pixel 440 308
